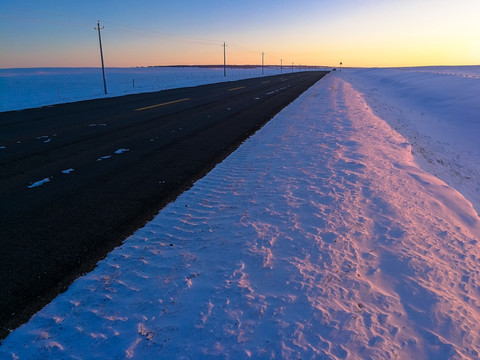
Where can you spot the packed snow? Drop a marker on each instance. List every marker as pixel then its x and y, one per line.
pixel 325 235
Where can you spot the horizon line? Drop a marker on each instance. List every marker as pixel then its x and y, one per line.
pixel 228 66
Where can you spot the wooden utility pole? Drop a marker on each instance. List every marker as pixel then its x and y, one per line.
pixel 101 54
pixel 263 54
pixel 224 59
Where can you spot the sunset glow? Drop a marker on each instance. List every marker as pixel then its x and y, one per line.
pixel 366 33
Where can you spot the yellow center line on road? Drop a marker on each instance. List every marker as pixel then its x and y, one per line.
pixel 237 88
pixel 162 104
pixel 264 82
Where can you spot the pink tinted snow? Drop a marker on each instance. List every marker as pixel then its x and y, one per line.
pixel 438 111
pixel 320 237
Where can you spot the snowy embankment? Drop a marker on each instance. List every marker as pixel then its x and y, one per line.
pixel 320 237
pixel 26 88
pixel 437 109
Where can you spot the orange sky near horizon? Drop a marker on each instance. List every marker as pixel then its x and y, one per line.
pixel 366 33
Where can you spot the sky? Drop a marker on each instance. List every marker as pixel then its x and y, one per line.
pixel 359 33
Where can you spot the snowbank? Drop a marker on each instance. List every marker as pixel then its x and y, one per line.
pixel 438 110
pixel 319 237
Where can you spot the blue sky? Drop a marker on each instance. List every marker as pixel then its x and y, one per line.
pixel 138 33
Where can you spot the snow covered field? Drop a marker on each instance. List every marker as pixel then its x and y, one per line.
pixel 23 88
pixel 438 110
pixel 322 236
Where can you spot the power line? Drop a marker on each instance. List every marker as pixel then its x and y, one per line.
pixel 114 27
pixel 148 32
pixel 30 19
pixel 244 49
pixel 134 31
pixel 56 19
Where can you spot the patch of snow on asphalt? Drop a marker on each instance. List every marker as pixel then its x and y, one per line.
pixel 121 151
pixel 104 157
pixel 39 183
pixel 319 237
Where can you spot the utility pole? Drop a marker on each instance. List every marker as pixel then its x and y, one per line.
pixel 101 54
pixel 224 60
pixel 262 61
pixel 292 66
pixel 281 66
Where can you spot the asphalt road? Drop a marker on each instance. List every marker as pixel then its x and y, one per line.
pixel 76 179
